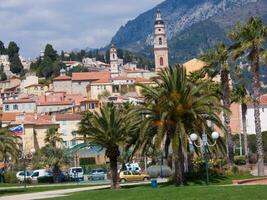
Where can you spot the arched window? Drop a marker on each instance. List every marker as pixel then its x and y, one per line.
pixel 113 56
pixel 161 61
pixel 160 41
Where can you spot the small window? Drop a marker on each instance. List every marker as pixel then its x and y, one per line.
pixel 35 174
pixel 7 107
pixel 113 56
pixel 159 29
pixel 160 41
pixel 15 107
pixel 161 61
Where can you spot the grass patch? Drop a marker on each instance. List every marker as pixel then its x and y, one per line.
pixel 218 180
pixel 170 192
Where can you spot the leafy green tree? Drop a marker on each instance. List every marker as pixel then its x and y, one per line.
pixel 15 64
pixel 217 64
pixel 107 57
pixel 109 129
pixel 50 52
pixel 2 48
pixel 12 49
pixel 249 40
pixel 9 146
pixel 177 107
pixel 53 137
pixel 46 67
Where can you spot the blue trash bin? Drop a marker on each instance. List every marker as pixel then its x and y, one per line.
pixel 154 183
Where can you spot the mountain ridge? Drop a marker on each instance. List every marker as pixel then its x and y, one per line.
pixel 192 25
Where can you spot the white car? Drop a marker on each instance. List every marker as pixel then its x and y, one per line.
pixel 76 173
pixel 40 173
pixel 20 176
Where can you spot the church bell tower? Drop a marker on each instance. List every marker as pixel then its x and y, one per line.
pixel 114 64
pixel 160 44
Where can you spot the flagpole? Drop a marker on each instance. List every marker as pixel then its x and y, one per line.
pixel 24 154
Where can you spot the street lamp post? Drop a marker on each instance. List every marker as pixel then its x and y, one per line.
pixel 26 157
pixel 204 143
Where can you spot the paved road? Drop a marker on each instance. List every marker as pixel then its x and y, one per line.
pixel 65 192
pixel 56 185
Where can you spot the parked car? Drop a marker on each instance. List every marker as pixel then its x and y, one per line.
pixel 20 176
pixel 97 174
pixel 40 173
pixel 132 176
pixel 76 173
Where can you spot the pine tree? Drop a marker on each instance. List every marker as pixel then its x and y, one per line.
pixel 15 64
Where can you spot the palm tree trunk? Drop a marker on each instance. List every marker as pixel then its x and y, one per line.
pixel 244 127
pixel 226 116
pixel 114 173
pixel 256 103
pixel 179 166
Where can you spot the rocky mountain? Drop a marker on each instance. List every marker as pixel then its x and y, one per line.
pixel 192 25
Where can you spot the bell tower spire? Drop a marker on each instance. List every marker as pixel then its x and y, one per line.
pixel 160 43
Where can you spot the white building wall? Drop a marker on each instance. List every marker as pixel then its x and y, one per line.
pixel 251 121
pixel 50 108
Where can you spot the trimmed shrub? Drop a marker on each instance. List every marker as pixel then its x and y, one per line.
pixel 240 160
pixel 155 170
pixel 10 177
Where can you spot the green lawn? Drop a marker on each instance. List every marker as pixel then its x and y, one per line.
pixel 169 192
pixel 13 191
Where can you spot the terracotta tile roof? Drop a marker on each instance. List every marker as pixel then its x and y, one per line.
pixel 62 78
pixel 136 70
pixel 55 103
pixel 77 98
pixel 35 85
pixel 90 100
pixel 142 80
pixel 33 119
pixel 9 116
pixel 26 100
pixel 68 116
pixel 91 76
pixel 123 78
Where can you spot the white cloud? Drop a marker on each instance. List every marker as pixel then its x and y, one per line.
pixel 66 24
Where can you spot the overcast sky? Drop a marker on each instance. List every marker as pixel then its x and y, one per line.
pixel 66 24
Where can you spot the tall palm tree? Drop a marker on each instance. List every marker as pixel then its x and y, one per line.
pixel 240 95
pixel 53 137
pixel 9 146
pixel 177 108
pixel 110 128
pixel 249 40
pixel 217 64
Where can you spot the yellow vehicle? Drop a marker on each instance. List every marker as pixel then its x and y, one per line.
pixel 133 176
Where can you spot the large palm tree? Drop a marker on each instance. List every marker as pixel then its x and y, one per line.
pixel 53 137
pixel 249 40
pixel 241 96
pixel 217 64
pixel 9 146
pixel 110 129
pixel 176 108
